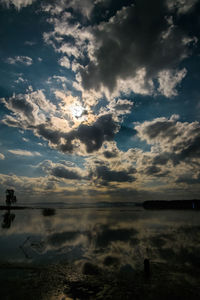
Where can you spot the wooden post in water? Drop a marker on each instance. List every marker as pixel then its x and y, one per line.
pixel 147 267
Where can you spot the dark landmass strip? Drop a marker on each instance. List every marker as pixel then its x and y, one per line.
pixel 173 204
pixel 150 204
pixel 87 204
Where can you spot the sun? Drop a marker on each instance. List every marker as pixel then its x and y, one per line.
pixel 76 110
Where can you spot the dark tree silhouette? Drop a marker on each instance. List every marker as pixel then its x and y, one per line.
pixel 10 197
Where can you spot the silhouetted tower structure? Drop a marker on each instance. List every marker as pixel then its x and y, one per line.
pixel 10 197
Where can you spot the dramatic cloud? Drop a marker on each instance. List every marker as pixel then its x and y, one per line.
pixel 111 166
pixel 25 60
pixel 28 109
pixel 175 151
pixel 107 175
pixel 129 52
pixel 62 170
pixel 33 111
pixel 138 37
pixel 92 136
pixel 69 37
pixel 170 135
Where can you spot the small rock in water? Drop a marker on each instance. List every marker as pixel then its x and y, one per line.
pixel 90 269
pixel 111 260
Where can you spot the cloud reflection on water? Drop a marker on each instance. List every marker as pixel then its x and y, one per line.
pixel 108 238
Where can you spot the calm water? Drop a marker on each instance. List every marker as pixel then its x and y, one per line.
pixel 69 243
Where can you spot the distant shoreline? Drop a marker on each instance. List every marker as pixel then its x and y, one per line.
pixel 149 204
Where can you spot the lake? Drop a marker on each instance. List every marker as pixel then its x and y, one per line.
pixel 98 253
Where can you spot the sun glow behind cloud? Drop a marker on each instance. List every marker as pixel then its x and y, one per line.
pixel 76 110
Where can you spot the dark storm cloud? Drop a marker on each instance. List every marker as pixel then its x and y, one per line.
pixel 63 172
pixel 152 170
pixel 161 159
pixel 155 171
pixel 177 141
pixel 139 36
pixel 49 134
pixel 107 175
pixel 19 104
pixel 188 179
pixel 109 154
pixel 102 130
pixel 32 111
pixel 27 110
pixel 92 136
pixel 191 148
pixel 162 129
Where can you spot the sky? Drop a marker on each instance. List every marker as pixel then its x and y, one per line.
pixel 100 100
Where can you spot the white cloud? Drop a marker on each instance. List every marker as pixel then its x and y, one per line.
pixel 25 140
pixel 25 60
pixel 118 108
pixel 20 80
pixel 83 6
pixel 138 84
pixel 24 152
pixel 2 156
pixel 17 3
pixel 69 50
pixel 30 43
pixel 168 80
pixel 65 62
pixel 182 6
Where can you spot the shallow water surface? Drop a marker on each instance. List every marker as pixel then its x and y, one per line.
pixel 93 253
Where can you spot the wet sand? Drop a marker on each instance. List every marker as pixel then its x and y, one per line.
pixel 64 281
